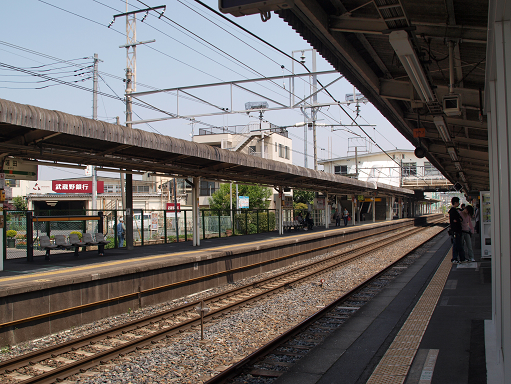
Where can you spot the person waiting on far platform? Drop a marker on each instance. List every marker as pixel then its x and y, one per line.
pixel 121 230
pixel 345 217
pixel 337 218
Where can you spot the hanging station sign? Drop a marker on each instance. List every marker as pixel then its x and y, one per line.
pixel 19 169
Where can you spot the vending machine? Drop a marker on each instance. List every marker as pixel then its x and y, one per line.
pixel 485 223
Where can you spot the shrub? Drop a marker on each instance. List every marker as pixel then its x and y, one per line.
pixel 11 233
pixel 79 234
pixel 111 244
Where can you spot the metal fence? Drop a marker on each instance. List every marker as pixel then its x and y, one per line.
pixel 149 227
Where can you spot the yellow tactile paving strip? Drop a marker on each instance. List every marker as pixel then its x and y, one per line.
pixel 396 362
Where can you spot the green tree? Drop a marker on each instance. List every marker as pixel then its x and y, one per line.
pixel 304 197
pixel 258 197
pixel 300 207
pixel 20 203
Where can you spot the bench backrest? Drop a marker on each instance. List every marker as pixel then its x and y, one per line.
pixel 60 240
pixel 100 238
pixel 44 241
pixel 87 238
pixel 73 238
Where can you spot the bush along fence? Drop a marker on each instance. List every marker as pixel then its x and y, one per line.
pixel 149 227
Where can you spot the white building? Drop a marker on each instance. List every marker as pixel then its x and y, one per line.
pixel 400 168
pixel 258 138
pixel 76 194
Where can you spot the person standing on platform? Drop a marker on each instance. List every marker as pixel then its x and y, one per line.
pixel 468 230
pixel 337 217
pixel 455 220
pixel 308 221
pixel 121 229
pixel 345 217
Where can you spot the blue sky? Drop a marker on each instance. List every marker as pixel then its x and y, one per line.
pixel 204 53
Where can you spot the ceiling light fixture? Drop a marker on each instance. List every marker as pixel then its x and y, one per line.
pixel 462 177
pixel 452 153
pixel 457 165
pixel 442 128
pixel 404 50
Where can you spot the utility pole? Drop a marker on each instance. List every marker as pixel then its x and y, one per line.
pixel 131 38
pixel 314 110
pixel 129 101
pixel 262 133
pixel 95 88
pixel 129 114
pixel 131 47
pixel 305 138
pixel 313 107
pixel 95 117
pixel 356 162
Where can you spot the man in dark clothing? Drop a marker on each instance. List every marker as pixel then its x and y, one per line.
pixel 455 220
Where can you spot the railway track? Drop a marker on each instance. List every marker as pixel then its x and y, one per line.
pixel 280 354
pixel 63 360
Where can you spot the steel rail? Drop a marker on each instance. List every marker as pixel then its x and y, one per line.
pixel 64 371
pixel 184 282
pixel 240 366
pixel 66 346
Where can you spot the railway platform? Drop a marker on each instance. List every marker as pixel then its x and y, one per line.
pixel 427 326
pixel 40 297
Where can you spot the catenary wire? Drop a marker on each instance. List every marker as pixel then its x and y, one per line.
pixel 169 56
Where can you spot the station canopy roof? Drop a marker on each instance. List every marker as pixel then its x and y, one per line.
pixel 422 64
pixel 34 133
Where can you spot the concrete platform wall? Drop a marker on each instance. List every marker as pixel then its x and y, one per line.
pixel 156 283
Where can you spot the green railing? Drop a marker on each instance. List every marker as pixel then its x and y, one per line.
pixel 149 227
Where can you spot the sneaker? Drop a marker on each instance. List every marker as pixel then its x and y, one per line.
pixel 465 261
pixel 472 260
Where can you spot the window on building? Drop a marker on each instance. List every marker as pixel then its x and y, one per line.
pixel 142 189
pixel 275 147
pixel 12 183
pixel 409 169
pixel 403 155
pixel 112 188
pixel 287 152
pixel 207 188
pixel 341 169
pixel 281 150
pixel 429 170
pixel 252 148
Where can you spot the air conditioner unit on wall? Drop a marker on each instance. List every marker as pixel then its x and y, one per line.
pixel 452 105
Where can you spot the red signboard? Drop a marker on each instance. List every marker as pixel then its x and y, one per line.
pixel 170 207
pixel 76 186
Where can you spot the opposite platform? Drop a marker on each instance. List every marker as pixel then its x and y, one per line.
pixel 45 297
